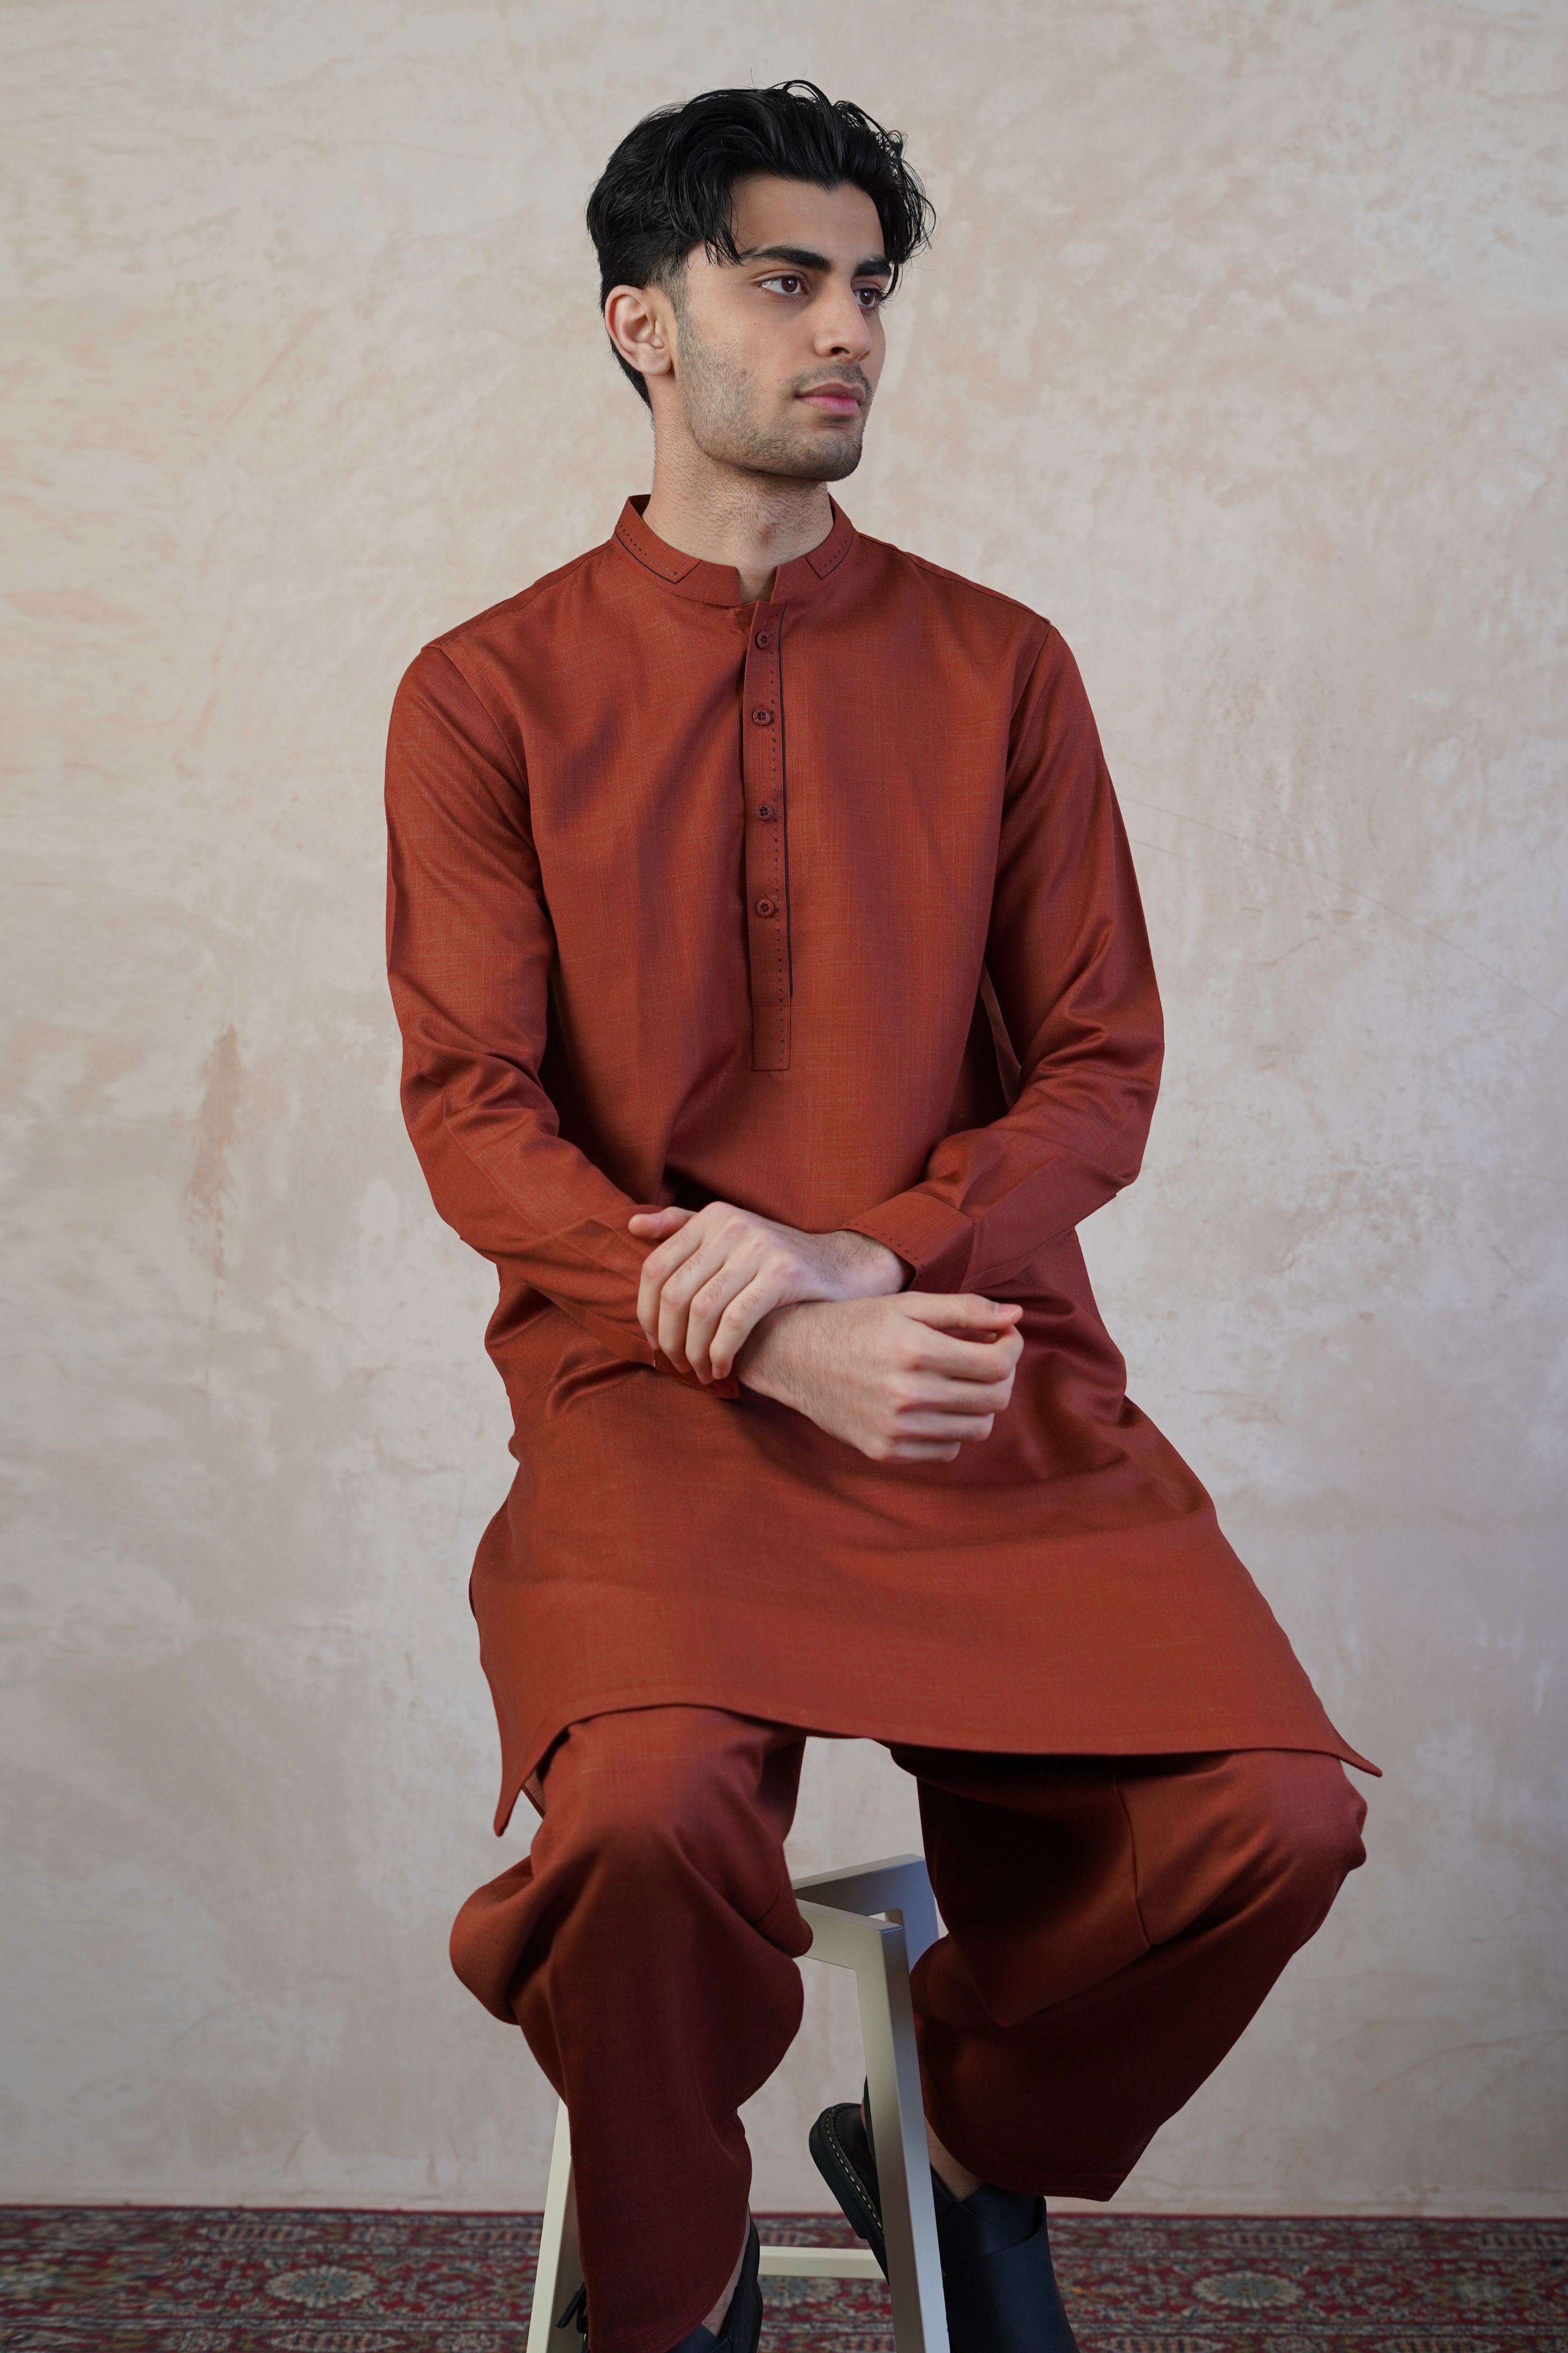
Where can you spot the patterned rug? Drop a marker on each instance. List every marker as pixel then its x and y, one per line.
pixel 184 2280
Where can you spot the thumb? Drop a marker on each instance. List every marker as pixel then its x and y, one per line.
pixel 659 1223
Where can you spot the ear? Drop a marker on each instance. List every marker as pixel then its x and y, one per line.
pixel 641 326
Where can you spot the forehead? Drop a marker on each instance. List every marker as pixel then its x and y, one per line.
pixel 839 222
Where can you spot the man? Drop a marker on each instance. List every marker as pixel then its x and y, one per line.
pixel 776 1002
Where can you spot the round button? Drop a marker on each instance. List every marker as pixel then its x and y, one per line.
pixel 767 907
pixel 764 808
pixel 764 718
pixel 762 639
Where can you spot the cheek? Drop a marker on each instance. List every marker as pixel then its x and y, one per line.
pixel 714 385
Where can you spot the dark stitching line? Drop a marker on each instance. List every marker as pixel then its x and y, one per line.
pixel 781 902
pixel 868 2197
pixel 760 1047
pixel 652 563
pixel 747 790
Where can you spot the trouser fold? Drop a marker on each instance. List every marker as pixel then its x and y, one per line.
pixel 1111 1925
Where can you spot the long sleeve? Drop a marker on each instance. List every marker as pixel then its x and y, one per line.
pixel 469 947
pixel 1069 958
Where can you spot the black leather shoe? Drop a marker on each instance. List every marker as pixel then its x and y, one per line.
pixel 996 2272
pixel 742 2328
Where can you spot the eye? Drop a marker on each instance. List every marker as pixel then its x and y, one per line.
pixel 788 280
pixel 871 298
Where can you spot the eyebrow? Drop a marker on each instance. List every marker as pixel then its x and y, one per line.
pixel 800 257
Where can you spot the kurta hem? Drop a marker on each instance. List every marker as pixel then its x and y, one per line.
pixel 914 1730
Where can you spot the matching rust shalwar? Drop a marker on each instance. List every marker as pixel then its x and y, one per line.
pixel 822 905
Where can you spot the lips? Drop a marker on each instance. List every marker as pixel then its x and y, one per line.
pixel 834 399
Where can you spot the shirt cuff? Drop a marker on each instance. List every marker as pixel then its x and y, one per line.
pixel 929 1235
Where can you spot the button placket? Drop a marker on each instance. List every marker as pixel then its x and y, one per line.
pixel 767 889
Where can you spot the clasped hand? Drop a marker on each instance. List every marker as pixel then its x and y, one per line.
pixel 820 1322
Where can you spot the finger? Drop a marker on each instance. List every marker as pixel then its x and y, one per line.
pixel 679 1327
pixel 709 1314
pixel 931 1394
pixel 656 1269
pixel 943 1326
pixel 699 1239
pixel 959 1409
pixel 693 1273
pixel 915 1454
pixel 966 1428
pixel 956 1310
pixel 742 1314
pixel 750 1265
pixel 644 1222
pixel 947 1336
pixel 670 1326
pixel 954 1359
pixel 675 1250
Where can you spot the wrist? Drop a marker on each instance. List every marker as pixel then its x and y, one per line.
pixel 764 1362
pixel 872 1271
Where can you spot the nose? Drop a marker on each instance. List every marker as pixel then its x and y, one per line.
pixel 844 327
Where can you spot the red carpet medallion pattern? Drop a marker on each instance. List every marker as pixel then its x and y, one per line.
pixel 184 2280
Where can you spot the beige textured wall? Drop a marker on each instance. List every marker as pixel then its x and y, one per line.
pixel 1242 355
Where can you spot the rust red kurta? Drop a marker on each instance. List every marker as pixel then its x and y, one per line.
pixel 823 906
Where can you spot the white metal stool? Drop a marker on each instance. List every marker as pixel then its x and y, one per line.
pixel 878 1920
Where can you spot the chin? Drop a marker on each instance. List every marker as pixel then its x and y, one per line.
pixel 832 465
pixel 788 456
pixel 820 458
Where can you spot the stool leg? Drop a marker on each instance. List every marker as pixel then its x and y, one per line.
pixel 878 1955
pixel 559 2273
pixel 903 2175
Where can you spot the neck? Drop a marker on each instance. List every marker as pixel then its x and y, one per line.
pixel 725 516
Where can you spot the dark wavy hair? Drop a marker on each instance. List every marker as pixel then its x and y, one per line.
pixel 667 186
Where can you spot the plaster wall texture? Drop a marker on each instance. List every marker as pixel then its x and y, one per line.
pixel 1243 353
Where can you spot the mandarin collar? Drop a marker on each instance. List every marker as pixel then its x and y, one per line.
pixel 719 583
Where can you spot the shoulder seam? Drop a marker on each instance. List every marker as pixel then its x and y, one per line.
pixel 523 596
pixel 978 588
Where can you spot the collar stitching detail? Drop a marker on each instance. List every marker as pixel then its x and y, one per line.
pixel 677 570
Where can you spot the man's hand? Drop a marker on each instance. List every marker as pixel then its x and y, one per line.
pixel 908 1379
pixel 718 1271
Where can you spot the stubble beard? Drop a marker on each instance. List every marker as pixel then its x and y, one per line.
pixel 720 404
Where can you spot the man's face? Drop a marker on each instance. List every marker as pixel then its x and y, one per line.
pixel 777 357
